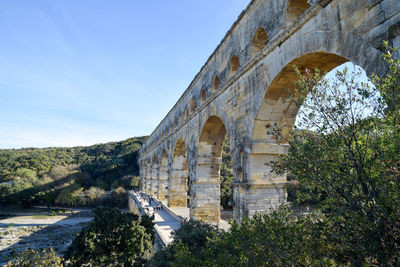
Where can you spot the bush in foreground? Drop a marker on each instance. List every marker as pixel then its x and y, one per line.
pixel 113 238
pixel 189 240
pixel 39 258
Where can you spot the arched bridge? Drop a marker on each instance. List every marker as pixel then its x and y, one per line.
pixel 240 92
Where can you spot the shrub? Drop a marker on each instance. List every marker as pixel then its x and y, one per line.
pixel 39 258
pixel 112 239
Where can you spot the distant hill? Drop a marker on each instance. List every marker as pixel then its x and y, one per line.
pixel 81 176
pixel 68 176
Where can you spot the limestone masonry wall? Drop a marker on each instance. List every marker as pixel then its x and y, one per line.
pixel 240 92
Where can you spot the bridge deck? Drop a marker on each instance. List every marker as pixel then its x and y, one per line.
pixel 167 219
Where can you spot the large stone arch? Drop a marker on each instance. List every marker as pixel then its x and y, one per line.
pixel 178 182
pixel 265 190
pixel 322 49
pixel 206 187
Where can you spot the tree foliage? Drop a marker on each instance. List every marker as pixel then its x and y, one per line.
pixel 39 258
pixel 346 159
pixel 189 243
pixel 112 239
pixel 278 239
pixel 226 176
pixel 30 175
pixel 119 197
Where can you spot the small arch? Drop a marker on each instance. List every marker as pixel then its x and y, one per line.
pixel 275 109
pixel 216 83
pixel 234 64
pixel 176 121
pixel 294 9
pixel 193 105
pixel 180 117
pixel 180 148
pixel 203 95
pixel 258 42
pixel 186 113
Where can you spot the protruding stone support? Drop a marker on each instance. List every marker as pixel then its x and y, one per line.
pixel 154 176
pixel 154 185
pixel 147 179
pixel 178 187
pixel 141 175
pixel 206 200
pixel 163 178
pixel 263 191
pixel 178 183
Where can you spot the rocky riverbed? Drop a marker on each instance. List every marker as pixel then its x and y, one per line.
pixel 19 232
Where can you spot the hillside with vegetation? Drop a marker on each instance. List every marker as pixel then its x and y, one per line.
pixel 69 176
pixel 81 176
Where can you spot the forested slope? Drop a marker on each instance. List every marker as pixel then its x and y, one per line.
pixel 68 176
pixel 81 175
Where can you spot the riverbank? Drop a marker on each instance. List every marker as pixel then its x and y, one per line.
pixel 38 229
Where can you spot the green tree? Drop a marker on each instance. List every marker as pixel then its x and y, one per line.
pixel 346 159
pixel 226 177
pixel 70 195
pixel 188 246
pixel 278 239
pixel 27 174
pixel 39 258
pixel 112 239
pixel 95 195
pixel 119 197
pixel 59 172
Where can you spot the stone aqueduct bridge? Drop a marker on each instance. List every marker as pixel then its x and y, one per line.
pixel 240 92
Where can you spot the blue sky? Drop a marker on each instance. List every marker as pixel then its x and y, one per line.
pixel 83 72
